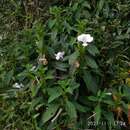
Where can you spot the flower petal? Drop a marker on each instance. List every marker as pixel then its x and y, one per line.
pixel 84 44
pixel 85 38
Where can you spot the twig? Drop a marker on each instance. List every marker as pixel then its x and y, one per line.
pixel 58 113
pixel 92 116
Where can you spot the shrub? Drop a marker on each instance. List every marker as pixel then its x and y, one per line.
pixel 50 80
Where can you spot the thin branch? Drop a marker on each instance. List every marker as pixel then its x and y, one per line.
pixel 58 113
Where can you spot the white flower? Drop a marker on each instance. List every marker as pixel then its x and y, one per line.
pixel 85 44
pixel 21 85
pixel 16 85
pixel 108 93
pixel 85 38
pixel 59 55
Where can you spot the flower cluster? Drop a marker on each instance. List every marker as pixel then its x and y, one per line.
pixel 18 86
pixel 84 38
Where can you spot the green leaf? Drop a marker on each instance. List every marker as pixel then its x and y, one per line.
pixel 73 57
pixel 5 80
pixel 54 93
pixel 80 108
pixel 71 89
pixel 109 102
pixel 100 6
pixel 35 89
pixel 8 77
pixel 98 113
pixel 87 4
pixel 36 115
pixel 50 112
pixel 93 50
pixel 92 98
pixel 71 110
pixel 34 103
pixel 91 62
pixel 116 44
pixel 110 117
pixel 90 82
pixel 122 37
pixel 73 85
pixel 61 66
pixel 51 23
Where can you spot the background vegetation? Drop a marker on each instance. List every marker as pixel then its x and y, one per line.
pixel 90 84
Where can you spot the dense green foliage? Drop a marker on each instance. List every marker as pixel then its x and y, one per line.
pixel 89 85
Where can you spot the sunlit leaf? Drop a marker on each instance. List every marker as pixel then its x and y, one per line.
pixel 50 112
pixel 71 110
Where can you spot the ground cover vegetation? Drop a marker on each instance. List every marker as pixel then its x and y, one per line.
pixel 65 64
